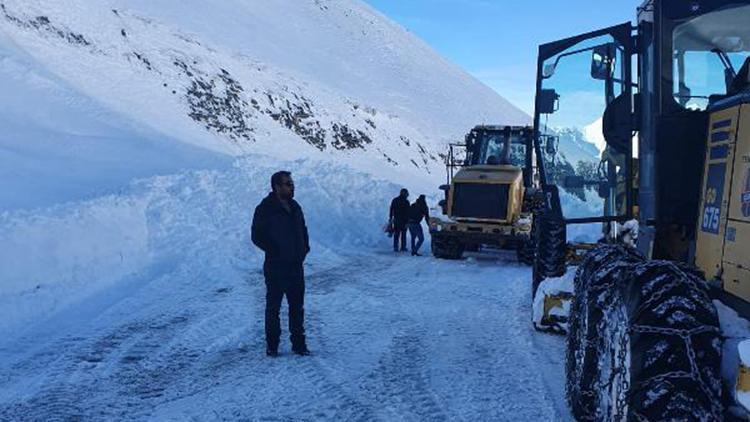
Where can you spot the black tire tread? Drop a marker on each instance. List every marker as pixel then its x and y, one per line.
pixel 658 294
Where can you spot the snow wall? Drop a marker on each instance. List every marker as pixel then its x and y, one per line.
pixel 57 256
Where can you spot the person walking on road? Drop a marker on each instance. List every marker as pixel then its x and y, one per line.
pixel 279 230
pixel 399 217
pixel 417 211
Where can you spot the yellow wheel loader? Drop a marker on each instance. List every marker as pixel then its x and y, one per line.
pixel 668 103
pixel 489 194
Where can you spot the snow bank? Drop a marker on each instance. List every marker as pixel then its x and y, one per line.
pixel 55 257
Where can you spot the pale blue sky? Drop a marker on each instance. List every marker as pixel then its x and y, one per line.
pixel 497 40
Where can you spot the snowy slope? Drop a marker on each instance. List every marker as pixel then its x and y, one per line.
pixel 333 80
pixel 58 144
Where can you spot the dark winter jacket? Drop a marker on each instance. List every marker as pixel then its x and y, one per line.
pixel 400 211
pixel 417 211
pixel 281 234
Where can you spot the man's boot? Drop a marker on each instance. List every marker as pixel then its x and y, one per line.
pixel 301 350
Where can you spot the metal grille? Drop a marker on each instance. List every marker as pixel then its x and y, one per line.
pixel 481 200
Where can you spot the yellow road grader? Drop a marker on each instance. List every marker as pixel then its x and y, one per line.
pixel 668 102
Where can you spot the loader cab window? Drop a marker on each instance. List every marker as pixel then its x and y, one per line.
pixel 708 51
pixel 491 149
pixel 577 86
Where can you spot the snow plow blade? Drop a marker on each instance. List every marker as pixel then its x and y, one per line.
pixel 552 304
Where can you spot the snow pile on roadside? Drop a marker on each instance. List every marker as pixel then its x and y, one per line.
pixel 57 256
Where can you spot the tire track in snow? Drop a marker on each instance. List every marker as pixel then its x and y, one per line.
pixel 366 314
pixel 401 382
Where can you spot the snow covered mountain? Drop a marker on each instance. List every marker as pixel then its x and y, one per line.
pixel 115 89
pixel 575 146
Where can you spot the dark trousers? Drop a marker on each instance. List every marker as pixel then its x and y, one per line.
pixel 399 233
pixel 415 229
pixel 286 281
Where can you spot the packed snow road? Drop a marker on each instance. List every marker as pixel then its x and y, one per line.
pixel 393 337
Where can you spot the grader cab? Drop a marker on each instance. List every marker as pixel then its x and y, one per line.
pixel 668 102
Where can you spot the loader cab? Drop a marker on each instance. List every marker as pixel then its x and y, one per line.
pixel 501 145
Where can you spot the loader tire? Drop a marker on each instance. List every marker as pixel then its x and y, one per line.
pixel 446 248
pixel 526 252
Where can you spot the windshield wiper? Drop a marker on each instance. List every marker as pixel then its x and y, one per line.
pixel 729 73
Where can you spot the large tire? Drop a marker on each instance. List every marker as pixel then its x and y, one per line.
pixel 445 248
pixel 602 268
pixel 550 248
pixel 551 244
pixel 437 245
pixel 643 341
pixel 526 251
pixel 675 345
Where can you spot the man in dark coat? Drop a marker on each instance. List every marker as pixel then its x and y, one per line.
pixel 399 218
pixel 279 230
pixel 417 211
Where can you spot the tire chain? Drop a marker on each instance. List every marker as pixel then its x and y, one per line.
pixel 605 272
pixel 684 334
pixel 622 357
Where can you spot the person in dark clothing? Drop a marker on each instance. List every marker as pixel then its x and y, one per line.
pixel 279 230
pixel 417 211
pixel 399 218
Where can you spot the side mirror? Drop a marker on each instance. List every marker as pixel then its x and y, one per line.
pixel 548 70
pixel 603 62
pixel 445 187
pixel 574 182
pixel 547 101
pixel 551 146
